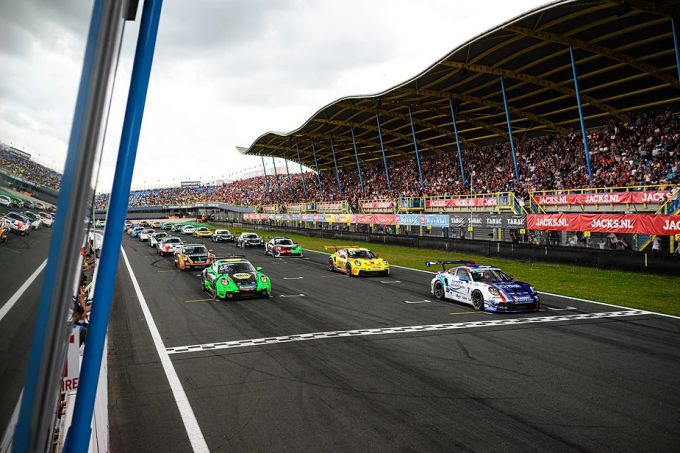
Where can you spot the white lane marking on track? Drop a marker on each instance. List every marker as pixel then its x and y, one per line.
pixel 540 292
pixel 561 309
pixel 191 426
pixel 292 278
pixel 387 282
pixel 20 292
pixel 401 330
pixel 291 295
pixel 425 301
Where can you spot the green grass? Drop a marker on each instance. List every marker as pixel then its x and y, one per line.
pixel 636 290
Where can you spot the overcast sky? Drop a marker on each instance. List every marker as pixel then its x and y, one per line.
pixel 224 71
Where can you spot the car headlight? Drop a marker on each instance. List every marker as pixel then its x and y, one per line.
pixel 357 263
pixel 493 291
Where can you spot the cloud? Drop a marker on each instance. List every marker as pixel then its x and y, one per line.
pixel 225 71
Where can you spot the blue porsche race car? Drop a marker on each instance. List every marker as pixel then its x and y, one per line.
pixel 484 287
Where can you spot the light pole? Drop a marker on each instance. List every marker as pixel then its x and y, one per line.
pixel 472 179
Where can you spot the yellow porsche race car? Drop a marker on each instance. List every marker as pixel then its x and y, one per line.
pixel 202 232
pixel 356 261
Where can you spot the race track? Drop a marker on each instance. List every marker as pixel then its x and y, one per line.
pixel 594 379
pixel 20 258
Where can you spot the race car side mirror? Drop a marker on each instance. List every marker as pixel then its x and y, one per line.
pixel 258 268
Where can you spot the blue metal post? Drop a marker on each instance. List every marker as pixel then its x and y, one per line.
pixel 415 146
pixel 356 155
pixel 455 131
pixel 337 174
pixel 507 118
pixel 382 149
pixel 266 180
pixel 78 438
pixel 318 173
pixel 580 112
pixel 290 184
pixel 674 25
pixel 276 176
pixel 302 173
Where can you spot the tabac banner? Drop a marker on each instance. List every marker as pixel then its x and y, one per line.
pixel 487 220
pixel 649 197
pixel 607 223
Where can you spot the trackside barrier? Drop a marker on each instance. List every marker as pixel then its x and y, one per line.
pixel 587 257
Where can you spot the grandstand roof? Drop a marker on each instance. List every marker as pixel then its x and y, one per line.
pixel 625 60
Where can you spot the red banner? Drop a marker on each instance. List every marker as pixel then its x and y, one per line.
pixel 376 219
pixel 461 202
pixel 329 206
pixel 606 223
pixel 387 204
pixel 295 207
pixel 658 197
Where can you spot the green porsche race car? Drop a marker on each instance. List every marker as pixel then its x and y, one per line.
pixel 235 277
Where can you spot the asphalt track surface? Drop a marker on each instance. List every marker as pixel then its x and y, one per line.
pixel 592 381
pixel 20 257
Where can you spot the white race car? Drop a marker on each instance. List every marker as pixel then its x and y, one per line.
pixel 145 234
pixel 18 223
pixel 153 240
pixel 188 229
pixel 33 218
pixel 168 245
pixel 5 200
pixel 483 287
pixel 46 219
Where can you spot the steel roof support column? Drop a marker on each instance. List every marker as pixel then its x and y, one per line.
pixel 455 131
pixel 356 156
pixel 674 25
pixel 302 173
pixel 415 146
pixel 78 437
pixel 337 173
pixel 276 176
pixel 290 184
pixel 50 329
pixel 318 173
pixel 382 150
pixel 580 112
pixel 264 170
pixel 507 118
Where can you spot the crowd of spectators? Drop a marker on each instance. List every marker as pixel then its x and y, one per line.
pixel 644 152
pixel 29 170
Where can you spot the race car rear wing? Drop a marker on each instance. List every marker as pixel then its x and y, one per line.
pixel 229 257
pixel 340 247
pixel 444 263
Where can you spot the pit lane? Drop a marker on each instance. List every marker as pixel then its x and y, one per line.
pixel 589 383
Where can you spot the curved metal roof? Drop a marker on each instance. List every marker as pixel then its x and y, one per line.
pixel 624 56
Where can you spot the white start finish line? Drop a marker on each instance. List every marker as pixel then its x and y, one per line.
pixel 401 330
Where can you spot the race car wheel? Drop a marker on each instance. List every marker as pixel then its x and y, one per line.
pixel 477 301
pixel 331 266
pixel 202 284
pixel 438 291
pixel 277 254
pixel 348 270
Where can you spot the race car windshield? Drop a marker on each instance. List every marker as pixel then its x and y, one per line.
pixel 173 241
pixel 284 242
pixel 251 236
pixel 490 275
pixel 192 250
pixel 234 268
pixel 365 254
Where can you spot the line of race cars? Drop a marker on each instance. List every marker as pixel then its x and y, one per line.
pixel 21 223
pixel 485 288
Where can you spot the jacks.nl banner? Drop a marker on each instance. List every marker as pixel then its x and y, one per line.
pixel 663 225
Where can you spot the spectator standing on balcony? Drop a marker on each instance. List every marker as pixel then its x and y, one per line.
pixel 656 245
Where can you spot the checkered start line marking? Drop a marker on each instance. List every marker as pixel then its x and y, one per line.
pixel 397 330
